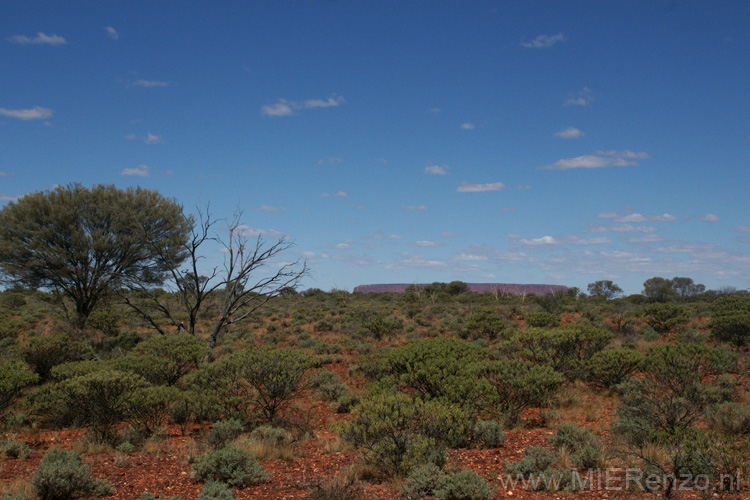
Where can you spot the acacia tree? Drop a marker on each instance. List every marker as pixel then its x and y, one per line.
pixel 81 243
pixel 245 282
pixel 604 288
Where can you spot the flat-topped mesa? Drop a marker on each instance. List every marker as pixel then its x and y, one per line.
pixel 516 289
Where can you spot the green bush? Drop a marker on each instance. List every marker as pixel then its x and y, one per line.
pixel 228 465
pixel 10 328
pixel 731 320
pixel 149 407
pixel 149 496
pixel 224 432
pixel 165 359
pixel 535 460
pixel 328 384
pixel 15 376
pixel 541 319
pixel 463 485
pixel 216 491
pixel 14 449
pixel 488 433
pixel 44 352
pixel 272 436
pixel 422 481
pixel 484 324
pixel 584 446
pixel 381 326
pixel 730 418
pixel 512 386
pixel 665 317
pixel 611 367
pixel 61 475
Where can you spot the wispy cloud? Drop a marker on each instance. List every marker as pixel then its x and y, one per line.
pixel 436 170
pixel 412 208
pixel 600 159
pixel 267 208
pixel 381 236
pixel 467 126
pixel 710 218
pixel 5 174
pixel 112 33
pixel 251 232
pixel 624 228
pixel 339 194
pixel 636 217
pixel 330 161
pixel 40 38
pixel 465 187
pixel 582 98
pixel 544 41
pixel 741 229
pixel 8 197
pixel 569 133
pixel 563 240
pixel 428 244
pixel 35 113
pixel 150 83
pixel 148 138
pixel 139 171
pixel 285 107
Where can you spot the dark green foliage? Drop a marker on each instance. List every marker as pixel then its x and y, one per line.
pixel 658 289
pixel 484 324
pixel 730 418
pixel 224 432
pixel 665 317
pixel 106 321
pixel 536 459
pixel 216 491
pixel 673 392
pixel 62 475
pixel 83 242
pixel 421 481
pixel 611 367
pixel 381 326
pixel 541 318
pixel 565 348
pixel 149 496
pixel 585 447
pixel 228 465
pixel 515 385
pixel 345 403
pixel 165 359
pixel 45 352
pixel 463 485
pixel 149 407
pixel 397 432
pixel 15 375
pixel 328 384
pixel 10 328
pixel 14 449
pixel 605 289
pixel 488 434
pixel 731 320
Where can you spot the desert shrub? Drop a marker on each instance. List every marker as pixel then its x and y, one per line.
pixel 463 485
pixel 98 401
pixel 730 418
pixel 149 496
pixel 61 475
pixel 223 432
pixel 165 359
pixel 485 324
pixel 15 375
pixel 584 446
pixel 73 369
pixel 437 368
pixel 149 407
pixel 216 491
pixel 10 328
pixel 328 384
pixel 12 301
pixel 14 449
pixel 106 321
pixel 421 481
pixel 397 432
pixel 221 386
pixel 565 348
pixel 610 367
pixel 541 319
pixel 664 317
pixel 673 392
pixel 488 433
pixel 193 406
pixel 731 320
pixel 346 402
pixel 535 460
pixel 512 386
pixel 228 465
pixel 44 352
pixel 382 326
pixel 272 436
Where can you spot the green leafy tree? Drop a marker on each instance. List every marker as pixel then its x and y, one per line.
pixel 686 288
pixel 665 317
pixel 731 320
pixel 605 289
pixel 82 242
pixel 658 289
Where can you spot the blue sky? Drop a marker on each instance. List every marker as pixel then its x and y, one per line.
pixel 406 141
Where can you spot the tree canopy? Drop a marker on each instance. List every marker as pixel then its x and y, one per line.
pixel 81 242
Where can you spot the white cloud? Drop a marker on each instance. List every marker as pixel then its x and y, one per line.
pixel 467 126
pixel 544 240
pixel 710 218
pixel 465 187
pixel 342 246
pixel 251 232
pixel 436 111
pixel 569 133
pixel 152 139
pixel 565 240
pixel 139 171
pixel 340 194
pixel 625 228
pixel 35 113
pixel 471 257
pixel 741 229
pixel 428 244
pixel 112 33
pixel 285 107
pixel 648 238
pixel 150 83
pixel 601 159
pixel 636 217
pixel 381 236
pixel 544 41
pixel 40 38
pixel 412 208
pixel 582 98
pixel 330 161
pixel 8 197
pixel 437 170
pixel 267 208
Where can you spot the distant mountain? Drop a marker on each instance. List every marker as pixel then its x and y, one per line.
pixel 516 289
